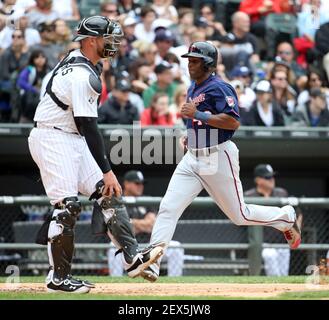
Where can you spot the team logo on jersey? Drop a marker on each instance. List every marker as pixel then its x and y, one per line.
pixel 91 100
pixel 201 97
pixel 230 101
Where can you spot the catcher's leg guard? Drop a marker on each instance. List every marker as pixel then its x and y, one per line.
pixel 61 238
pixel 116 221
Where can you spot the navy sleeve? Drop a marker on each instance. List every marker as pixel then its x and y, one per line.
pixel 226 100
pixel 87 127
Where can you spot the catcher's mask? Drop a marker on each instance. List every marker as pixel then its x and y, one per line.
pixel 98 26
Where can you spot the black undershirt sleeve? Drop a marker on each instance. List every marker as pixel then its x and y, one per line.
pixel 87 127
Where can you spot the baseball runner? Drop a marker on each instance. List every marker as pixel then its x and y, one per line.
pixel 69 150
pixel 212 159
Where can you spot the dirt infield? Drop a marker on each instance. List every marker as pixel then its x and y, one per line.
pixel 265 290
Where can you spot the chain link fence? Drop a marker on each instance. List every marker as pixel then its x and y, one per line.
pixel 205 241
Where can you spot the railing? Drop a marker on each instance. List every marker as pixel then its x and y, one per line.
pixel 200 202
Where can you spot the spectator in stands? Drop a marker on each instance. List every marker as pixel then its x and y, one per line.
pixel 322 47
pixel 142 219
pixel 158 113
pixel 164 40
pixel 12 60
pixel 163 84
pixel 144 30
pixel 259 9
pixel 140 71
pixel 184 26
pixel 32 36
pixel 67 9
pixel 42 12
pixel 109 9
pixel 285 51
pixel 129 7
pixel 214 29
pixel 63 34
pixel 122 60
pixel 118 109
pixel 145 50
pixel 264 111
pixel 313 113
pixel 276 261
pixel 179 100
pixel 165 10
pixel 239 47
pixel 314 80
pixel 29 81
pixel 311 18
pixel 247 96
pixel 129 25
pixel 47 45
pixel 283 95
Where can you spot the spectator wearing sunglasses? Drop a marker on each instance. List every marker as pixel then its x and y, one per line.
pixel 286 52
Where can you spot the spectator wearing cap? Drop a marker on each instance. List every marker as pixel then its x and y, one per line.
pixel 158 113
pixel 276 261
pixel 129 25
pixel 313 113
pixel 118 109
pixel 144 30
pixel 42 12
pixel 143 219
pixel 247 96
pixel 47 45
pixel 239 47
pixel 164 40
pixel 264 112
pixel 163 84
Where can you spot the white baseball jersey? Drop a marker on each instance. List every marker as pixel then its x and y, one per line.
pixel 66 164
pixel 71 86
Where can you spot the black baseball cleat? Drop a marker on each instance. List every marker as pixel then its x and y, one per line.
pixel 144 259
pixel 69 285
pixel 86 283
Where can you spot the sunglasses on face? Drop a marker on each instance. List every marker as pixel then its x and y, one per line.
pixel 288 53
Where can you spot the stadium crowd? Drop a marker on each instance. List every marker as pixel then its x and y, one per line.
pixel 281 77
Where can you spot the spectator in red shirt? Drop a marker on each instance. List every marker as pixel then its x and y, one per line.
pixel 259 9
pixel 158 113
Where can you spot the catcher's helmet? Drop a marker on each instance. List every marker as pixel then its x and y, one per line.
pixel 98 26
pixel 204 50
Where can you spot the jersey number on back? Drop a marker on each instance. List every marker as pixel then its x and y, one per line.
pixel 66 71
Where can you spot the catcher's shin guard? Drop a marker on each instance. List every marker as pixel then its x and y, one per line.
pixel 61 238
pixel 116 219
